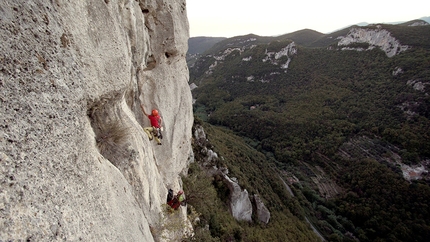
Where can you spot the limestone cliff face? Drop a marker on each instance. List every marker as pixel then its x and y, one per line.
pixel 75 163
pixel 374 37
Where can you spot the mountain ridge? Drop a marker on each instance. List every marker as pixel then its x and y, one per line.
pixel 302 37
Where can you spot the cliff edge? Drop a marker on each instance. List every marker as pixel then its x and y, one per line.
pixel 75 162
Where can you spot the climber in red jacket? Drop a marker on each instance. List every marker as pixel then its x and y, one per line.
pixel 155 129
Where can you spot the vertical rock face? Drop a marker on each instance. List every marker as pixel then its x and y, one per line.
pixel 75 163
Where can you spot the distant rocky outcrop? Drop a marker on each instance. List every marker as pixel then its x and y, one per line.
pixel 375 37
pixel 417 22
pixel 281 58
pixel 288 51
pixel 75 163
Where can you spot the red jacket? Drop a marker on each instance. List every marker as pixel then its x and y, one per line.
pixel 155 120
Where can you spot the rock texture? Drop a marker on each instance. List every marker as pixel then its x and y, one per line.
pixel 74 161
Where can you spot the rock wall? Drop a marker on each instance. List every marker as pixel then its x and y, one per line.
pixel 75 163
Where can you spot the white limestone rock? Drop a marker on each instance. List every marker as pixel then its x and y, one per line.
pixel 75 162
pixel 288 51
pixel 418 23
pixel 193 86
pixel 200 136
pixel 263 214
pixel 240 204
pixel 417 85
pixel 397 71
pixel 374 37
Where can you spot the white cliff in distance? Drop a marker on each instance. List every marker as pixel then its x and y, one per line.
pixel 374 37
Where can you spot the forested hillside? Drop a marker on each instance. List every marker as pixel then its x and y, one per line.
pixel 348 125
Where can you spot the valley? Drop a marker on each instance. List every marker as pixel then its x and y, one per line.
pixel 338 118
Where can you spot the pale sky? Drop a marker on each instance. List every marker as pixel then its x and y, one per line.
pixel 228 18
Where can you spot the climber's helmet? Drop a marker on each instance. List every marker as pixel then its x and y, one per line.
pixel 180 192
pixel 154 112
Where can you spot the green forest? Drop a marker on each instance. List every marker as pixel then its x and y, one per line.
pixel 342 117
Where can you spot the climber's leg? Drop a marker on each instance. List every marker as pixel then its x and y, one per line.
pixel 158 140
pixel 148 131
